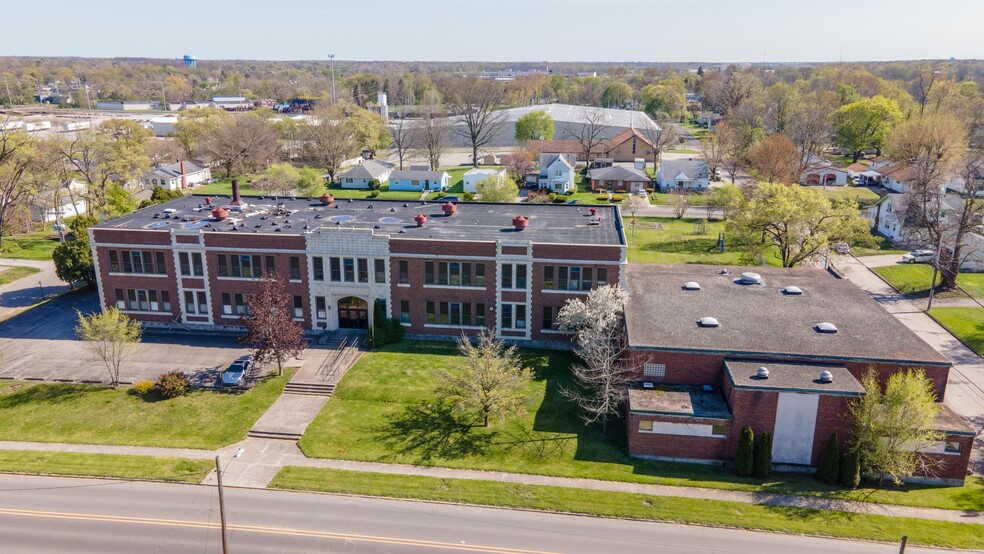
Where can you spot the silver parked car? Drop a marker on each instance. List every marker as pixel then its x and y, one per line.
pixel 919 257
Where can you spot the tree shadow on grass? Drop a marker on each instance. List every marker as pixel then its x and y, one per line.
pixel 434 430
pixel 47 393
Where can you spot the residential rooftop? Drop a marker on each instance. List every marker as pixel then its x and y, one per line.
pixel 678 401
pixel 763 320
pixel 473 221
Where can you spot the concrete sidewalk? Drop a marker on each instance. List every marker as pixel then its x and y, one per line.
pixel 28 291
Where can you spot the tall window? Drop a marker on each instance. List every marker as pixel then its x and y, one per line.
pixel 298 307
pixel 191 263
pixel 404 311
pixel 295 268
pixel 506 281
pixel 380 270
pixel 513 276
pixel 404 272
pixel 195 302
pixel 549 313
pixel 320 308
pixel 336 270
pixel 348 267
pixel 319 268
pixel 363 265
pixel 513 316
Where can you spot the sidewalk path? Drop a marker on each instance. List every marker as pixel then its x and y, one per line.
pixel 24 293
pixel 109 449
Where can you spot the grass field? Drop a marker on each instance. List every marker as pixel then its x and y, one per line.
pixel 89 414
pixel 31 246
pixel 863 196
pixel 885 246
pixel 637 506
pixel 385 411
pixel 913 279
pixel 104 465
pixel 679 241
pixel 12 274
pixel 965 323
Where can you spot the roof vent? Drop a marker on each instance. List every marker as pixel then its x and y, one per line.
pixel 792 291
pixel 762 373
pixel 724 271
pixel 691 285
pixel 647 384
pixel 708 322
pixel 826 327
pixel 826 377
pixel 750 278
pixel 519 222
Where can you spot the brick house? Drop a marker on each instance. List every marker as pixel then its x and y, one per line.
pixel 781 350
pixel 619 179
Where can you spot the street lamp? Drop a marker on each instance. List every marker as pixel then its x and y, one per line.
pixel 222 514
pixel 332 58
pixel 939 246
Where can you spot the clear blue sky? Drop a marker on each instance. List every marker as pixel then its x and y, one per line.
pixel 499 30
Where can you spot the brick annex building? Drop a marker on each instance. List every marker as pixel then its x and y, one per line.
pixel 443 270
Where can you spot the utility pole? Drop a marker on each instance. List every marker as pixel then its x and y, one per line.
pixel 222 514
pixel 10 102
pixel 939 247
pixel 332 58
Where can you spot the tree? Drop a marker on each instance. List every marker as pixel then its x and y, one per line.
pixel 601 377
pixel 16 157
pixel 310 182
pixel 243 145
pixel 475 102
pixel 404 139
pixel 432 133
pixel 493 381
pixel 660 137
pixel 745 454
pixel 663 100
pixel 271 332
pixel 368 128
pixel 763 456
pixel 195 126
pixel 164 151
pixel 712 147
pixel 811 134
pixel 865 123
pixel 799 222
pixel 616 95
pixel 496 188
pixel 520 163
pixel 635 204
pixel 119 201
pixel 782 101
pixel 829 469
pixel 775 159
pixel 589 134
pixel 280 178
pixel 728 198
pixel 891 425
pixel 73 258
pixel 679 200
pixel 110 337
pixel 331 140
pixel 536 125
pixel 850 469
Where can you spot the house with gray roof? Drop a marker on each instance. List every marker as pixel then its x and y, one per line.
pixel 418 180
pixel 557 174
pixel 619 179
pixel 683 175
pixel 176 176
pixel 359 176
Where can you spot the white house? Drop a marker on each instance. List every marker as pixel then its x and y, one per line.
pixel 359 176
pixel 557 174
pixel 163 126
pixel 66 201
pixel 474 175
pixel 826 175
pixel 418 180
pixel 176 176
pixel 896 177
pixel 683 174
pixel 888 215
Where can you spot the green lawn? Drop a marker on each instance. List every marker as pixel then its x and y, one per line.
pixel 14 273
pixel 679 241
pixel 31 246
pixel 885 246
pixel 384 410
pixel 913 279
pixel 104 465
pixel 456 180
pixel 224 187
pixel 682 150
pixel 966 323
pixel 636 506
pixel 55 412
pixel 865 197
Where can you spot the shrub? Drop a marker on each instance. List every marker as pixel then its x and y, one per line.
pixel 763 456
pixel 552 195
pixel 603 198
pixel 373 193
pixel 850 470
pixel 171 384
pixel 142 388
pixel 617 198
pixel 745 455
pixel 384 330
pixel 469 196
pixel 560 200
pixel 442 194
pixel 570 192
pixel 829 470
pixel 373 184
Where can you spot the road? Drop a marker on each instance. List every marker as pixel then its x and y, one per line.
pixel 43 514
pixel 26 292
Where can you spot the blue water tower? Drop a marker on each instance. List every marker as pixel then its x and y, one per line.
pixel 190 60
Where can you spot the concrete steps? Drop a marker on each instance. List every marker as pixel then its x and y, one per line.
pixel 309 389
pixel 274 435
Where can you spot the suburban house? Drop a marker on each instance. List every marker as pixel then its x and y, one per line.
pixel 683 174
pixel 66 201
pixel 896 177
pixel 626 146
pixel 418 180
pixel 888 215
pixel 826 175
pixel 557 174
pixel 471 177
pixel 879 162
pixel 177 176
pixel 619 179
pixel 359 176
pixel 779 350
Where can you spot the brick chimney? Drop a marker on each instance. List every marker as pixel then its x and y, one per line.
pixel 237 202
pixel 184 180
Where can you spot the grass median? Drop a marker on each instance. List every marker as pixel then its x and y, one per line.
pixel 14 273
pixel 806 521
pixel 104 465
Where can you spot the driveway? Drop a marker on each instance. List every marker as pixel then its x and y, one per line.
pixel 29 290
pixel 40 344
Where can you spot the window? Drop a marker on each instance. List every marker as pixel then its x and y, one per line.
pixel 602 276
pixel 549 313
pixel 127 264
pixel 654 370
pixel 295 268
pixel 480 315
pixel 320 308
pixel 479 275
pixel 428 273
pixel 270 266
pixel 233 304
pixel 120 299
pixel 548 277
pixel 114 261
pixel 182 259
pixel 165 301
pixel 719 430
pixel 404 272
pixel 646 425
pixel 226 303
pixel 513 316
pixel 507 317
pixel 363 270
pixel 520 280
pixel 431 316
pixel 952 447
pixel 513 276
pixel 196 264
pixel 195 302
pixel 404 311
pixel 319 268
pixel 348 269
pixel 336 270
pixel 380 270
pixel 507 276
pixel 221 266
pixel 298 307
pixel 415 182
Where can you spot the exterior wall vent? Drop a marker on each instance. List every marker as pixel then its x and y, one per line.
pixel 691 285
pixel 826 327
pixel 750 278
pixel 708 322
pixel 792 291
pixel 762 373
pixel 826 377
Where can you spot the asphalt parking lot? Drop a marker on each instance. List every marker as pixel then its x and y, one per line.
pixel 40 344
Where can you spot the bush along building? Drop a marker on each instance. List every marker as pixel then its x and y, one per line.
pixel 713 350
pixel 439 269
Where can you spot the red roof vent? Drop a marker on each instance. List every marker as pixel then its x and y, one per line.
pixel 327 199
pixel 593 211
pixel 220 213
pixel 208 200
pixel 420 219
pixel 449 208
pixel 520 222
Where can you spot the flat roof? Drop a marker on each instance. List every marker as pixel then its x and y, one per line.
pixel 474 221
pixel 800 377
pixel 760 320
pixel 678 401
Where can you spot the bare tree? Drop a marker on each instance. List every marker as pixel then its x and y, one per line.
pixel 680 202
pixel 660 138
pixel 432 134
pixel 331 140
pixel 712 148
pixel 635 204
pixel 404 139
pixel 474 102
pixel 589 134
pixel 244 145
pixel 811 134
pixel 16 155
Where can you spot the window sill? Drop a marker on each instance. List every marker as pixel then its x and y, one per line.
pixel 448 326
pixel 559 291
pixel 235 278
pixel 554 332
pixel 145 312
pixel 454 287
pixel 124 274
pixel 403 285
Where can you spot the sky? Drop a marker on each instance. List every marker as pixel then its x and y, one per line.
pixel 499 30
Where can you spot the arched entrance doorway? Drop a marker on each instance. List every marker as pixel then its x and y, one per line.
pixel 353 313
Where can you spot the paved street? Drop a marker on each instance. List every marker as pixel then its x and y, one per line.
pixel 29 290
pixel 40 515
